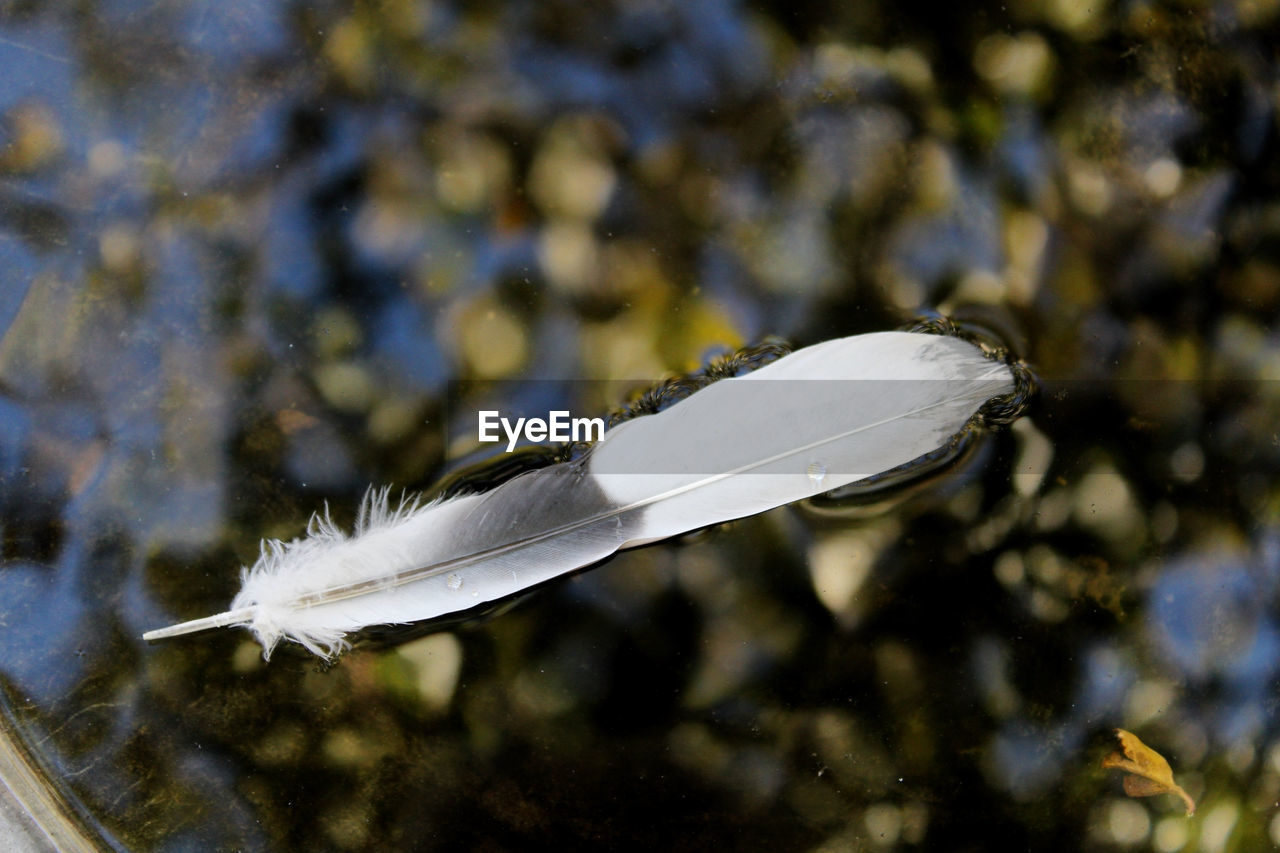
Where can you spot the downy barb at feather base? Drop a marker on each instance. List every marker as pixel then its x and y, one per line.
pixel 818 419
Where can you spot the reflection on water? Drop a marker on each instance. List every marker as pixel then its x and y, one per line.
pixel 257 256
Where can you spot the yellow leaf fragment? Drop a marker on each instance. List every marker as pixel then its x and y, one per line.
pixel 1150 773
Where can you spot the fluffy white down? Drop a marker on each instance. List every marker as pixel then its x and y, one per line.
pixel 326 556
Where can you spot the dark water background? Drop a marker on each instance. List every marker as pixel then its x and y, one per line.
pixel 257 255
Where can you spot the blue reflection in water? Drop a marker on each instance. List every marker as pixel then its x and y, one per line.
pixel 1209 618
pixel 683 61
pixel 1027 756
pixel 404 345
pixel 1212 619
pixel 14 427
pixel 965 235
pixel 36 60
pixel 232 31
pixel 1025 156
pixel 45 631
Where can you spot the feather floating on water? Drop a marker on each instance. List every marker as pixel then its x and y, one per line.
pixel 815 420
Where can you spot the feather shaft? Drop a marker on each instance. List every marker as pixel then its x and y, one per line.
pixel 218 620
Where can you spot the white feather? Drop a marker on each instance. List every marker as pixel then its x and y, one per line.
pixel 815 420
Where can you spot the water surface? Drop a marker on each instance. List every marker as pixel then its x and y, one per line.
pixel 257 256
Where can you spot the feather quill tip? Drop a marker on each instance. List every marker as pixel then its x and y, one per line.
pixel 268 633
pixel 241 616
